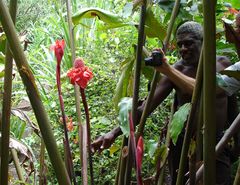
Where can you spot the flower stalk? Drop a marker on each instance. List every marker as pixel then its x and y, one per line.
pixel 59 51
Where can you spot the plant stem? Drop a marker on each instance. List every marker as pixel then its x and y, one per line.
pixel 34 97
pixel 67 144
pixel 209 92
pixel 77 96
pixel 85 105
pixel 6 107
pixel 141 39
pixel 17 165
pixel 42 177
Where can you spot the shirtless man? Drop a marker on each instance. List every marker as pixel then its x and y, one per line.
pixel 189 41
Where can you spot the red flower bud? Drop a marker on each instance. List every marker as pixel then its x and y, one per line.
pixel 78 63
pixel 58 49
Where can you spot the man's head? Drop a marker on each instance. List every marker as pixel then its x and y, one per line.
pixel 189 41
pixel 191 27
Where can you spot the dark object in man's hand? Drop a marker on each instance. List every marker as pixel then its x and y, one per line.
pixel 155 59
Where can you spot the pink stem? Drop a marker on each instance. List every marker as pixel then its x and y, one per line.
pixel 134 148
pixel 68 148
pixel 84 100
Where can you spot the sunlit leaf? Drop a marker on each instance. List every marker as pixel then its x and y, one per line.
pixel 103 15
pixel 178 121
pixel 125 106
pixel 113 149
pixel 2 36
pixel 152 147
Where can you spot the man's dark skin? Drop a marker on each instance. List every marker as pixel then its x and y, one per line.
pixel 189 41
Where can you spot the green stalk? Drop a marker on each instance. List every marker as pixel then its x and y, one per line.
pixel 6 109
pixel 190 123
pixel 147 106
pixel 141 38
pixel 34 97
pixel 17 165
pixel 209 92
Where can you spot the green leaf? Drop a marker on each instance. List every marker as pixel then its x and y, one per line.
pixel 153 27
pixel 123 82
pixel 125 106
pixel 178 121
pixel 234 74
pixel 152 147
pixel 107 17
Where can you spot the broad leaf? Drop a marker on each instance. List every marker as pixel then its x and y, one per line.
pixel 234 74
pixel 123 82
pixel 153 27
pixel 178 121
pixel 107 17
pixel 125 106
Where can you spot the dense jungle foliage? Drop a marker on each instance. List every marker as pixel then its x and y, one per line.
pixel 109 50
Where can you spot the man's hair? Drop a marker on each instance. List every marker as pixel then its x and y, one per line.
pixel 191 27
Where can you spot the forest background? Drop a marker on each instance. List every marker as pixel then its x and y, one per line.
pixel 110 51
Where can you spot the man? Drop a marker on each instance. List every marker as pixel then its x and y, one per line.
pixel 189 41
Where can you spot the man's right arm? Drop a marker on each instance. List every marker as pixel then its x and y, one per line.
pixel 163 89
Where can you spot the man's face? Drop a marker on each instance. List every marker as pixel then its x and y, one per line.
pixel 189 47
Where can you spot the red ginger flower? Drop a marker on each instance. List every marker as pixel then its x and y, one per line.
pixel 58 49
pixel 80 74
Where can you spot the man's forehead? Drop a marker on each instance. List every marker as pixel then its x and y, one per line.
pixel 186 36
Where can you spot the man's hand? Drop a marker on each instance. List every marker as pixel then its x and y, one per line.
pixel 105 141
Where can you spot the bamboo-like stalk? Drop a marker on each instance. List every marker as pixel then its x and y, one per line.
pixel 77 97
pixel 190 123
pixel 17 165
pixel 33 94
pixel 6 109
pixel 209 92
pixel 141 38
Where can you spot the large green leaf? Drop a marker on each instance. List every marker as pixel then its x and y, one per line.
pixel 234 74
pixel 153 27
pixel 124 81
pixel 107 17
pixel 125 106
pixel 178 121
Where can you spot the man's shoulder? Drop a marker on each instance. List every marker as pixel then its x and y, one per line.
pixel 223 59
